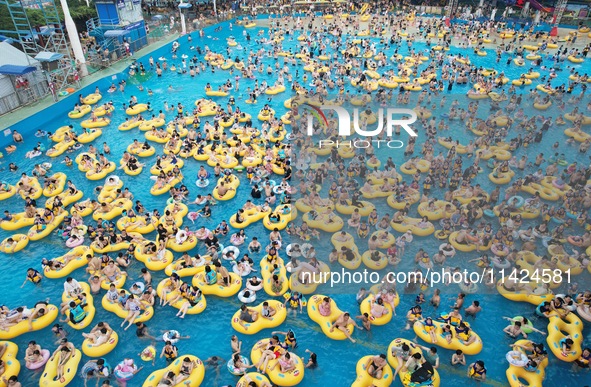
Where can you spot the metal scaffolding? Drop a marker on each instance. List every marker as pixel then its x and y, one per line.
pixel 50 40
pixel 452 6
pixel 559 11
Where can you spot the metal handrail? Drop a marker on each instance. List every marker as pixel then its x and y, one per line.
pixel 109 22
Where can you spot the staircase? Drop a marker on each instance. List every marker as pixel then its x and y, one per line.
pixel 93 27
pixel 22 28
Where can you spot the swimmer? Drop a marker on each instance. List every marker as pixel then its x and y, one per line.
pixel 458 358
pixel 473 309
pixel 342 322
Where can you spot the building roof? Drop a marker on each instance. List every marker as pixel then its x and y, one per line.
pixel 46 56
pixel 16 70
pixel 113 33
pixel 13 56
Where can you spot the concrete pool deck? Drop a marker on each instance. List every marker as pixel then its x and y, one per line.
pixel 19 114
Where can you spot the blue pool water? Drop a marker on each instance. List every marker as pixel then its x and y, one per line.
pixel 210 331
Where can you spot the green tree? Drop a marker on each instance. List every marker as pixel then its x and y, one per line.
pixel 78 9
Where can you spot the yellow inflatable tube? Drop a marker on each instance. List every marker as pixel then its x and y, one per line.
pixel 259 379
pixel 217 289
pixel 471 349
pixel 19 220
pixel 136 109
pixel 150 260
pixel 261 322
pixel 324 222
pixel 533 379
pixel 58 188
pixel 290 378
pixel 195 377
pixel 89 309
pixel 97 351
pixel 326 322
pixel 38 324
pixel 91 99
pixel 118 206
pixel 573 326
pixel 93 175
pixel 115 307
pixel 364 379
pixel 199 306
pixel 365 307
pixel 79 261
pixel 349 209
pixel 70 370
pixel 287 214
pixel 84 110
pixel 34 234
pixel 11 365
pixel 99 123
pixel 186 271
pixel 21 240
pixel 405 375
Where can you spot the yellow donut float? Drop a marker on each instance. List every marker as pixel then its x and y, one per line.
pixel 326 322
pixel 91 99
pixel 369 260
pixel 544 106
pixel 473 348
pixel 275 90
pixel 517 374
pixel 577 134
pixel 89 309
pixel 194 379
pixel 273 370
pixel 70 370
pixel 365 307
pixel 101 350
pixel 35 233
pixel 80 112
pixel 77 257
pixel 440 211
pixel 324 222
pixel 414 226
pixel 364 379
pixel 258 379
pixel 217 289
pixel 348 209
pixel 261 322
pixel 37 324
pixel 575 59
pixel 405 376
pixel 544 89
pixel 572 325
pixel 114 307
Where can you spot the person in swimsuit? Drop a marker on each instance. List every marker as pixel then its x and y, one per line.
pixel 402 354
pixel 286 363
pixel 477 371
pixel 342 322
pixel 267 311
pixel 32 275
pixel 187 366
pixel 247 316
pixel 269 351
pixel 375 366
pixel 214 362
pixel 167 380
pixel 170 351
pixel 313 361
pixel 324 307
